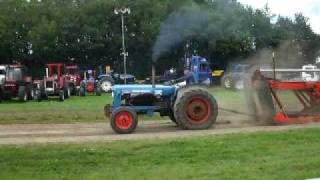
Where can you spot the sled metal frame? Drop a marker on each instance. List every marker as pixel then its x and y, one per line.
pixel 308 94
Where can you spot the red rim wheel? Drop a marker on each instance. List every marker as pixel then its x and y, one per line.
pixel 198 110
pixel 124 120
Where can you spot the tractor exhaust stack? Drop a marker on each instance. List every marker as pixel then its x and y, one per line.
pixel 47 72
pixel 153 75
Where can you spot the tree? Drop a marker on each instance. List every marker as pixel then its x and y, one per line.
pixel 88 33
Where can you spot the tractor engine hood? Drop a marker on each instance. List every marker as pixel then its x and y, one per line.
pixel 158 90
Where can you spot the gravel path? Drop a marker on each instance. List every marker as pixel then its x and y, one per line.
pixel 101 132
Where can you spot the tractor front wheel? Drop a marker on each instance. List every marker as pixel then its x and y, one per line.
pixel 124 120
pixel 195 109
pixel 22 94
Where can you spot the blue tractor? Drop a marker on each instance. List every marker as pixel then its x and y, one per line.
pixel 198 71
pixel 233 78
pixel 109 78
pixel 191 107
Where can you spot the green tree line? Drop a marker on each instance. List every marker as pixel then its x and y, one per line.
pixel 88 32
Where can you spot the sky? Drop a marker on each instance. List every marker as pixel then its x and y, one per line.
pixel 309 8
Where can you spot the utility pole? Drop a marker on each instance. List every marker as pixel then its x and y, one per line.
pixel 122 12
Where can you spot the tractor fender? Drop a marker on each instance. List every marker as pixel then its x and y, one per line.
pixel 103 76
pixel 181 90
pixel 62 80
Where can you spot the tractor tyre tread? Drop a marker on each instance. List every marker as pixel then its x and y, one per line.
pixel 82 91
pixel 179 111
pixel 30 92
pixel 98 91
pixel 22 94
pixel 231 82
pixel 61 95
pixel 132 128
pixel 106 79
pixel 66 90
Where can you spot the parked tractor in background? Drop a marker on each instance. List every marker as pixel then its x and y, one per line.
pixel 73 73
pixel 15 82
pixel 233 77
pixel 312 75
pixel 190 106
pixel 55 83
pixel 89 84
pixel 196 69
pixel 110 78
pixel 168 76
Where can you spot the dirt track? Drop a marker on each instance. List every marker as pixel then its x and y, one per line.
pixel 83 132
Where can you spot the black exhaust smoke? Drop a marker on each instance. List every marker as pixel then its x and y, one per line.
pixel 180 26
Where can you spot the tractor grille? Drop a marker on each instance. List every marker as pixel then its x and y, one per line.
pixel 49 84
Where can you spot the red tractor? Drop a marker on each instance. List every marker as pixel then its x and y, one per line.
pixel 72 73
pixel 16 83
pixel 90 84
pixel 55 83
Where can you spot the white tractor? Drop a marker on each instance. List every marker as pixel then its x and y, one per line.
pixel 311 75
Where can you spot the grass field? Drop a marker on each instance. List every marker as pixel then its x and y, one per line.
pixel 78 109
pixel 277 155
pixel 75 109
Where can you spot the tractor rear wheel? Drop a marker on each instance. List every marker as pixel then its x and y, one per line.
pixel 195 109
pixel 61 95
pixel 30 91
pixel 41 93
pixel 22 94
pixel 124 120
pixel 82 91
pixel 67 91
pixel 227 82
pixel 98 91
pixel 106 84
pixel 0 94
pixel 38 95
pixel 172 118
